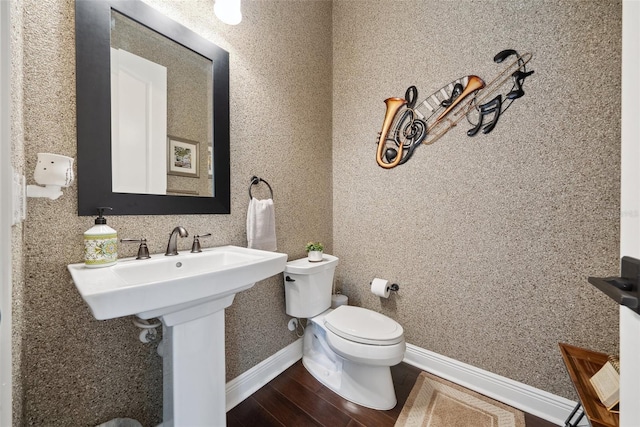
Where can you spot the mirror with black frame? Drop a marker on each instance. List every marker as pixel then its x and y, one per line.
pixel 153 113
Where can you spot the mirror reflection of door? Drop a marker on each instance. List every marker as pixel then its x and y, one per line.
pixel 138 124
pixel 141 138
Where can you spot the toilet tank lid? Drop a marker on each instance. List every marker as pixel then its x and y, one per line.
pixel 363 325
pixel 304 266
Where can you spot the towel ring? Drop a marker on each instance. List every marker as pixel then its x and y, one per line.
pixel 255 181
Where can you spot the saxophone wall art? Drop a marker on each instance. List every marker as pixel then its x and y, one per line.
pixel 408 124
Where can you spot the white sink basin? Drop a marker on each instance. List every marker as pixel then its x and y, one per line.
pixel 165 284
pixel 189 293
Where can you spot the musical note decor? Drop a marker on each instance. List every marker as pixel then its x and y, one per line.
pixel 408 124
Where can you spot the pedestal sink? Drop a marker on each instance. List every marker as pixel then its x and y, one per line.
pixel 189 293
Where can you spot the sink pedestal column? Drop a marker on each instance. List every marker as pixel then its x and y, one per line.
pixel 194 365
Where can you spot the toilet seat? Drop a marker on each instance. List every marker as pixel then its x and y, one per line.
pixel 363 326
pixel 366 354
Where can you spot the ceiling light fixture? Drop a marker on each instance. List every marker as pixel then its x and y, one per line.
pixel 228 11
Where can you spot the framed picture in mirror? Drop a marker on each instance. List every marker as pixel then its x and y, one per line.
pixel 183 157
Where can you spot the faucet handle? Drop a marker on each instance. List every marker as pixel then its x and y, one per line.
pixel 195 248
pixel 143 250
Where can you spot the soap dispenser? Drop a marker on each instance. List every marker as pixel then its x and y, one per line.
pixel 100 243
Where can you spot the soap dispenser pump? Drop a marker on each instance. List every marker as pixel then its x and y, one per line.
pixel 100 243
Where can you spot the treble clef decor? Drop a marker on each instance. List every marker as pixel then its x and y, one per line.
pixel 408 124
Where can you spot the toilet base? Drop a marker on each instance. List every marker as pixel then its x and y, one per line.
pixel 366 385
pixel 369 386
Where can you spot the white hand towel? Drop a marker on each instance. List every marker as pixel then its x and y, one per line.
pixel 261 225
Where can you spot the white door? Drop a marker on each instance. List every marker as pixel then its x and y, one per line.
pixel 6 218
pixel 630 209
pixel 138 124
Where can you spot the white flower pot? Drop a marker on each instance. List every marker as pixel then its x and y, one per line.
pixel 315 256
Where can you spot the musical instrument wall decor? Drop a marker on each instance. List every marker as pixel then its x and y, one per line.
pixel 407 126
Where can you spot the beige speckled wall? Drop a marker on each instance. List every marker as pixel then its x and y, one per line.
pixel 491 239
pixel 79 371
pixel 17 241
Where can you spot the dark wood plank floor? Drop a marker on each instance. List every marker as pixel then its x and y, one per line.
pixel 296 399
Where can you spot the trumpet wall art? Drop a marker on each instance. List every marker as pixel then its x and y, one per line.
pixel 408 124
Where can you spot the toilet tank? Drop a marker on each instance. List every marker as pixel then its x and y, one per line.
pixel 307 286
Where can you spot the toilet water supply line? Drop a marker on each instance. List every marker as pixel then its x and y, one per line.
pixel 149 333
pixel 300 326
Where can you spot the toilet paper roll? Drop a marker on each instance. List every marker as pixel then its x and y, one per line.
pixel 338 300
pixel 380 287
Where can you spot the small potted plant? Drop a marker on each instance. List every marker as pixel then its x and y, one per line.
pixel 314 250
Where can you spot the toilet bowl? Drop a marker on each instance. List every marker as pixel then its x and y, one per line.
pixel 348 349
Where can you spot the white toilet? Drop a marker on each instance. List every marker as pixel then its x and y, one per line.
pixel 349 349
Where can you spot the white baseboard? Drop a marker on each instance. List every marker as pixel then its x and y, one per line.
pixel 247 383
pixel 537 402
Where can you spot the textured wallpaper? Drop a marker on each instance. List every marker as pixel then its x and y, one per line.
pixel 80 371
pixel 490 238
pixel 17 242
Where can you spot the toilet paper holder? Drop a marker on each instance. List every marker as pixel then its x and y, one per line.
pixel 394 287
pixel 382 287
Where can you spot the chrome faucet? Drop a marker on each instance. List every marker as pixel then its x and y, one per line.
pixel 172 246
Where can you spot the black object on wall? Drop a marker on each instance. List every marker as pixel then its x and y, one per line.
pixel 625 290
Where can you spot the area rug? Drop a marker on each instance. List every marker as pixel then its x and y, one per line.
pixel 435 402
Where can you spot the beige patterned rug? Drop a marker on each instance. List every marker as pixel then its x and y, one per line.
pixel 434 402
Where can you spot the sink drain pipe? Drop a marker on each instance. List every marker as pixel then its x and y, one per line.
pixel 149 333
